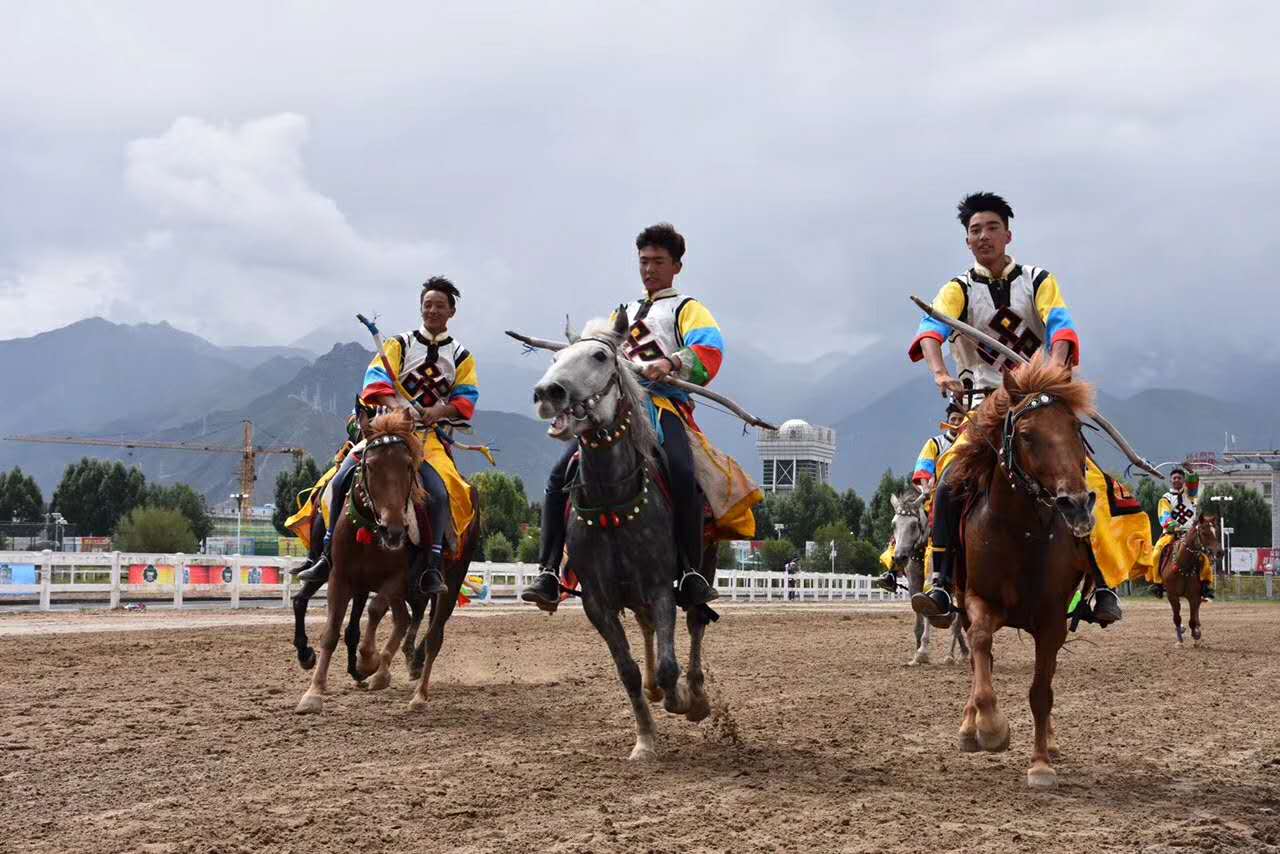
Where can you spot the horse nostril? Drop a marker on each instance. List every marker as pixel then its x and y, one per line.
pixel 551 393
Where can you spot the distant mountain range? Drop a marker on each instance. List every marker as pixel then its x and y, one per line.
pixel 96 378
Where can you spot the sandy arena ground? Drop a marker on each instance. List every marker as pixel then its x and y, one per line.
pixel 184 740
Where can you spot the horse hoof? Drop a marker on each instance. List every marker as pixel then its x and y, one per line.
pixel 417 703
pixel 1041 776
pixel 307 658
pixel 968 743
pixel 994 742
pixel 918 660
pixel 1197 643
pixel 310 704
pixel 380 680
pixel 642 753
pixel 950 659
pixel 699 711
pixel 654 694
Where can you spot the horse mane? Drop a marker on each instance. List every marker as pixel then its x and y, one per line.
pixel 400 423
pixel 641 434
pixel 975 459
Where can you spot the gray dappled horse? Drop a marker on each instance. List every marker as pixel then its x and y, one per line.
pixel 621 536
pixel 911 538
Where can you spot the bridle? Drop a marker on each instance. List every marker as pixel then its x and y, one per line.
pixel 914 510
pixel 1190 542
pixel 370 519
pixel 1008 457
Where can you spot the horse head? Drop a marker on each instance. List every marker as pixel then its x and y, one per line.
pixel 909 526
pixel 1043 447
pixel 389 476
pixel 588 388
pixel 1203 537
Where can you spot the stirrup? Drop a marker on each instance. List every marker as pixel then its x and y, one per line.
pixel 318 571
pixel 1093 605
pixel 711 595
pixel 888 581
pixel 530 593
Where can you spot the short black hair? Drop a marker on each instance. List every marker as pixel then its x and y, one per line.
pixel 664 236
pixel 444 286
pixel 984 203
pixel 1178 470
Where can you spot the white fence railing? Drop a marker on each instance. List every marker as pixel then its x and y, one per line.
pixel 46 575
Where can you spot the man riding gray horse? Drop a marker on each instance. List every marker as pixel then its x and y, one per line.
pixel 669 334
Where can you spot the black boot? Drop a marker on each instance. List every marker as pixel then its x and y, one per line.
pixel 1106 605
pixel 1157 590
pixel 888 581
pixel 545 589
pixel 936 605
pixel 428 578
pixel 319 568
pixel 694 590
pixel 1206 590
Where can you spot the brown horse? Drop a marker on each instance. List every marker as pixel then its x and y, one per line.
pixel 1180 569
pixel 1026 540
pixel 369 542
pixel 419 658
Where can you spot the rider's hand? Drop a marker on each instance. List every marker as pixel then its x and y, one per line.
pixel 948 384
pixel 431 415
pixel 658 369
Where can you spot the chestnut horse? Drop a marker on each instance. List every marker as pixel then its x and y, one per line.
pixel 1026 540
pixel 1180 570
pixel 369 547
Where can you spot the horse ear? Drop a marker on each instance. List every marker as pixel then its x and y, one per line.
pixel 569 334
pixel 621 323
pixel 897 505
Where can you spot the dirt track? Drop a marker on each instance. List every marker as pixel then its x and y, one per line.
pixel 185 741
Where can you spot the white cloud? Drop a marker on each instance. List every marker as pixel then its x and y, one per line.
pixel 239 245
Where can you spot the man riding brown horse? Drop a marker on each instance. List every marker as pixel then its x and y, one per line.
pixel 427 369
pixel 1176 511
pixel 1023 307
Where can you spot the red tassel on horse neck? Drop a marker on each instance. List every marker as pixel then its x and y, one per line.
pixel 364 536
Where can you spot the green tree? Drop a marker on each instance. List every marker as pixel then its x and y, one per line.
pixel 766 516
pixel 776 553
pixel 808 507
pixel 304 475
pixel 846 545
pixel 95 495
pixel 20 497
pixel 527 551
pixel 852 508
pixel 1247 514
pixel 1148 494
pixel 504 507
pixel 186 501
pixel 878 521
pixel 726 558
pixel 497 548
pixel 865 559
pixel 155 529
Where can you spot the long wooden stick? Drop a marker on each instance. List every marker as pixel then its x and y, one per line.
pixel 690 388
pixel 1016 357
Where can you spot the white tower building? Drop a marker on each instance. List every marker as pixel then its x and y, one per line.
pixel 795 449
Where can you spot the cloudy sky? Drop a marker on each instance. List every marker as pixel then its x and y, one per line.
pixel 253 171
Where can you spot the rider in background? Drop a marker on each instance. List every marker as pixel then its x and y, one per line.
pixel 1175 513
pixel 929 464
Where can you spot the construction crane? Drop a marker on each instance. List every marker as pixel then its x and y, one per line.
pixel 248 451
